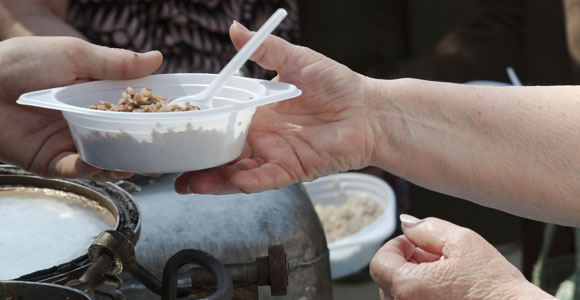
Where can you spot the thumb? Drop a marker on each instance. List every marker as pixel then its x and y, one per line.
pixel 436 236
pixel 275 53
pixel 99 62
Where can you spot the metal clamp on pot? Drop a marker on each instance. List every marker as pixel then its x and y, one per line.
pixel 113 252
pixel 271 270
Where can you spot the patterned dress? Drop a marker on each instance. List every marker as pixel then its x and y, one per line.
pixel 191 34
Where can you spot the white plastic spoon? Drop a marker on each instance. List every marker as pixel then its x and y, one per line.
pixel 513 76
pixel 205 98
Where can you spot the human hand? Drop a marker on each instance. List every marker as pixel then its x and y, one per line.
pixel 38 139
pixel 435 259
pixel 323 131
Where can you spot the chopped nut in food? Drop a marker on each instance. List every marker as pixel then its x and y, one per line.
pixel 349 218
pixel 144 101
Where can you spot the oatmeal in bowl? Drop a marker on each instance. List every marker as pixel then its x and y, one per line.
pixel 144 101
pixel 358 214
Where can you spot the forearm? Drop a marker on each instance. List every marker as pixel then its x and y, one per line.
pixel 46 24
pixel 516 148
pixel 36 17
pixel 8 25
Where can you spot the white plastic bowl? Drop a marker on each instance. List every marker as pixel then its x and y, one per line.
pixel 352 253
pixel 161 142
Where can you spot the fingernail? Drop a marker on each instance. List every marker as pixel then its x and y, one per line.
pixel 180 187
pixel 408 220
pixel 152 52
pixel 181 191
pixel 242 26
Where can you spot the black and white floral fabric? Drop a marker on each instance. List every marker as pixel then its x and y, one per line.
pixel 191 34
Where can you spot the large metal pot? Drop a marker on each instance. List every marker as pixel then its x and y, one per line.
pixel 234 228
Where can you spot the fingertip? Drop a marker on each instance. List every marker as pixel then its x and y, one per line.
pixel 154 55
pixel 395 253
pixel 113 63
pixel 147 63
pixel 239 34
pixel 238 26
pixel 123 175
pixel 181 184
pixel 70 165
pixel 433 235
pixel 408 221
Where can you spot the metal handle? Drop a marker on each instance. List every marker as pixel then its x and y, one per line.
pixel 112 251
pixel 225 286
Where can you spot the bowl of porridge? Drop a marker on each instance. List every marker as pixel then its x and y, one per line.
pixel 127 125
pixel 358 214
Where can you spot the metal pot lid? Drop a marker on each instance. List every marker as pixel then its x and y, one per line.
pixel 47 225
pixel 19 290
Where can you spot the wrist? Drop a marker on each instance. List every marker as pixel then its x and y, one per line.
pixel 530 291
pixel 386 120
pixel 523 290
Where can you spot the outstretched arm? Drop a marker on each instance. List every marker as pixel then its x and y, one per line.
pixel 512 148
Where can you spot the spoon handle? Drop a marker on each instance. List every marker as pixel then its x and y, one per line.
pixel 244 54
pixel 513 76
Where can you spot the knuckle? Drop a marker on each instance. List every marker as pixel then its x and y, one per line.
pixel 465 234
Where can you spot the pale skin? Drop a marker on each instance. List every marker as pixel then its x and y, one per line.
pixel 514 149
pixel 34 17
pixel 432 137
pixel 435 259
pixel 38 139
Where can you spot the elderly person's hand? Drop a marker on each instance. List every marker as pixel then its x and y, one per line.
pixel 435 259
pixel 322 131
pixel 37 139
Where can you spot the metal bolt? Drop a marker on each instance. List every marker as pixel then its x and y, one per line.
pixel 271 270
